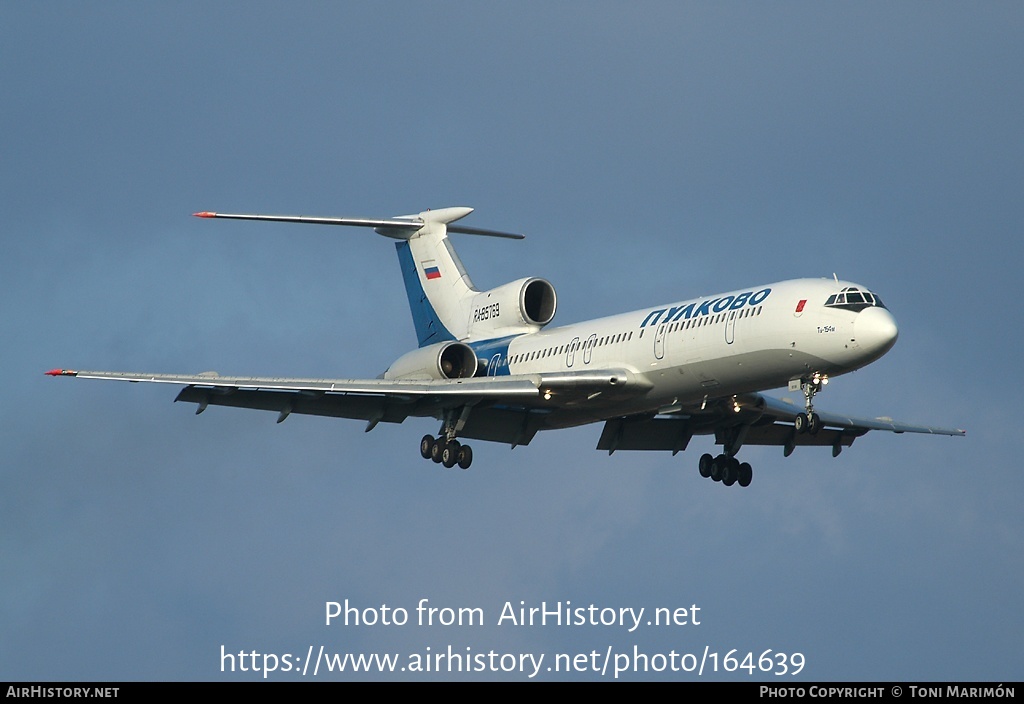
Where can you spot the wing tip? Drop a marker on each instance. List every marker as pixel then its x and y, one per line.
pixel 204 214
pixel 61 372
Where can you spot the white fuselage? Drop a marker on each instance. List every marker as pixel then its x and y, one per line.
pixel 748 340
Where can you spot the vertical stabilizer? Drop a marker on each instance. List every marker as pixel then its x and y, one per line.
pixel 439 289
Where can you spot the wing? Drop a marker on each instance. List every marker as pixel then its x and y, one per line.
pixel 748 419
pixel 507 409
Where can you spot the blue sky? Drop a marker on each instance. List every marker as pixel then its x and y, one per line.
pixel 652 152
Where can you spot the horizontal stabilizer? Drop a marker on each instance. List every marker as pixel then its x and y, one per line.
pixel 403 227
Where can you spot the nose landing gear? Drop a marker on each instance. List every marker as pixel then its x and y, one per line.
pixel 809 421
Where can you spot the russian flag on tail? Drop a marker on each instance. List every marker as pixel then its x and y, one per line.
pixel 430 269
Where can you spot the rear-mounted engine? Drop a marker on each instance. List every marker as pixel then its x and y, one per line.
pixel 444 360
pixel 525 305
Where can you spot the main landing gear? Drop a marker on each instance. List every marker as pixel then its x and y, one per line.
pixel 810 422
pixel 726 469
pixel 445 449
pixel 446 452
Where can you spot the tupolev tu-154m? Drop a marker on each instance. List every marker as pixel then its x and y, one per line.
pixel 489 367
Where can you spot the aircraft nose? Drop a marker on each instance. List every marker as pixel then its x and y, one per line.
pixel 875 331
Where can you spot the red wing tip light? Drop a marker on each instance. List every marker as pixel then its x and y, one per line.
pixel 61 372
pixel 205 214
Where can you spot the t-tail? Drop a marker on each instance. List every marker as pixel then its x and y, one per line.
pixel 445 304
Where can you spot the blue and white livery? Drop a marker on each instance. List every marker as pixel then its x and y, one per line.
pixel 490 367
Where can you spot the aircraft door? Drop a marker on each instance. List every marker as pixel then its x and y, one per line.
pixel 659 342
pixel 570 353
pixel 588 348
pixel 730 327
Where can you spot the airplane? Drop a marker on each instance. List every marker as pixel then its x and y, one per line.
pixel 489 367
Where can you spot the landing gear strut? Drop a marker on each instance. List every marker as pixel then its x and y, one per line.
pixel 809 421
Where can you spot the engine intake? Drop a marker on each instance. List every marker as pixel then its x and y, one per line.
pixel 537 302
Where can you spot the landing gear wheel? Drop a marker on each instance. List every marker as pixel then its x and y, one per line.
pixel 813 423
pixel 426 446
pixel 435 451
pixel 450 454
pixel 732 466
pixel 704 466
pixel 746 474
pixel 801 422
pixel 465 456
pixel 718 468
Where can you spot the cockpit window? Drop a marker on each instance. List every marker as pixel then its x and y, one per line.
pixel 852 298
